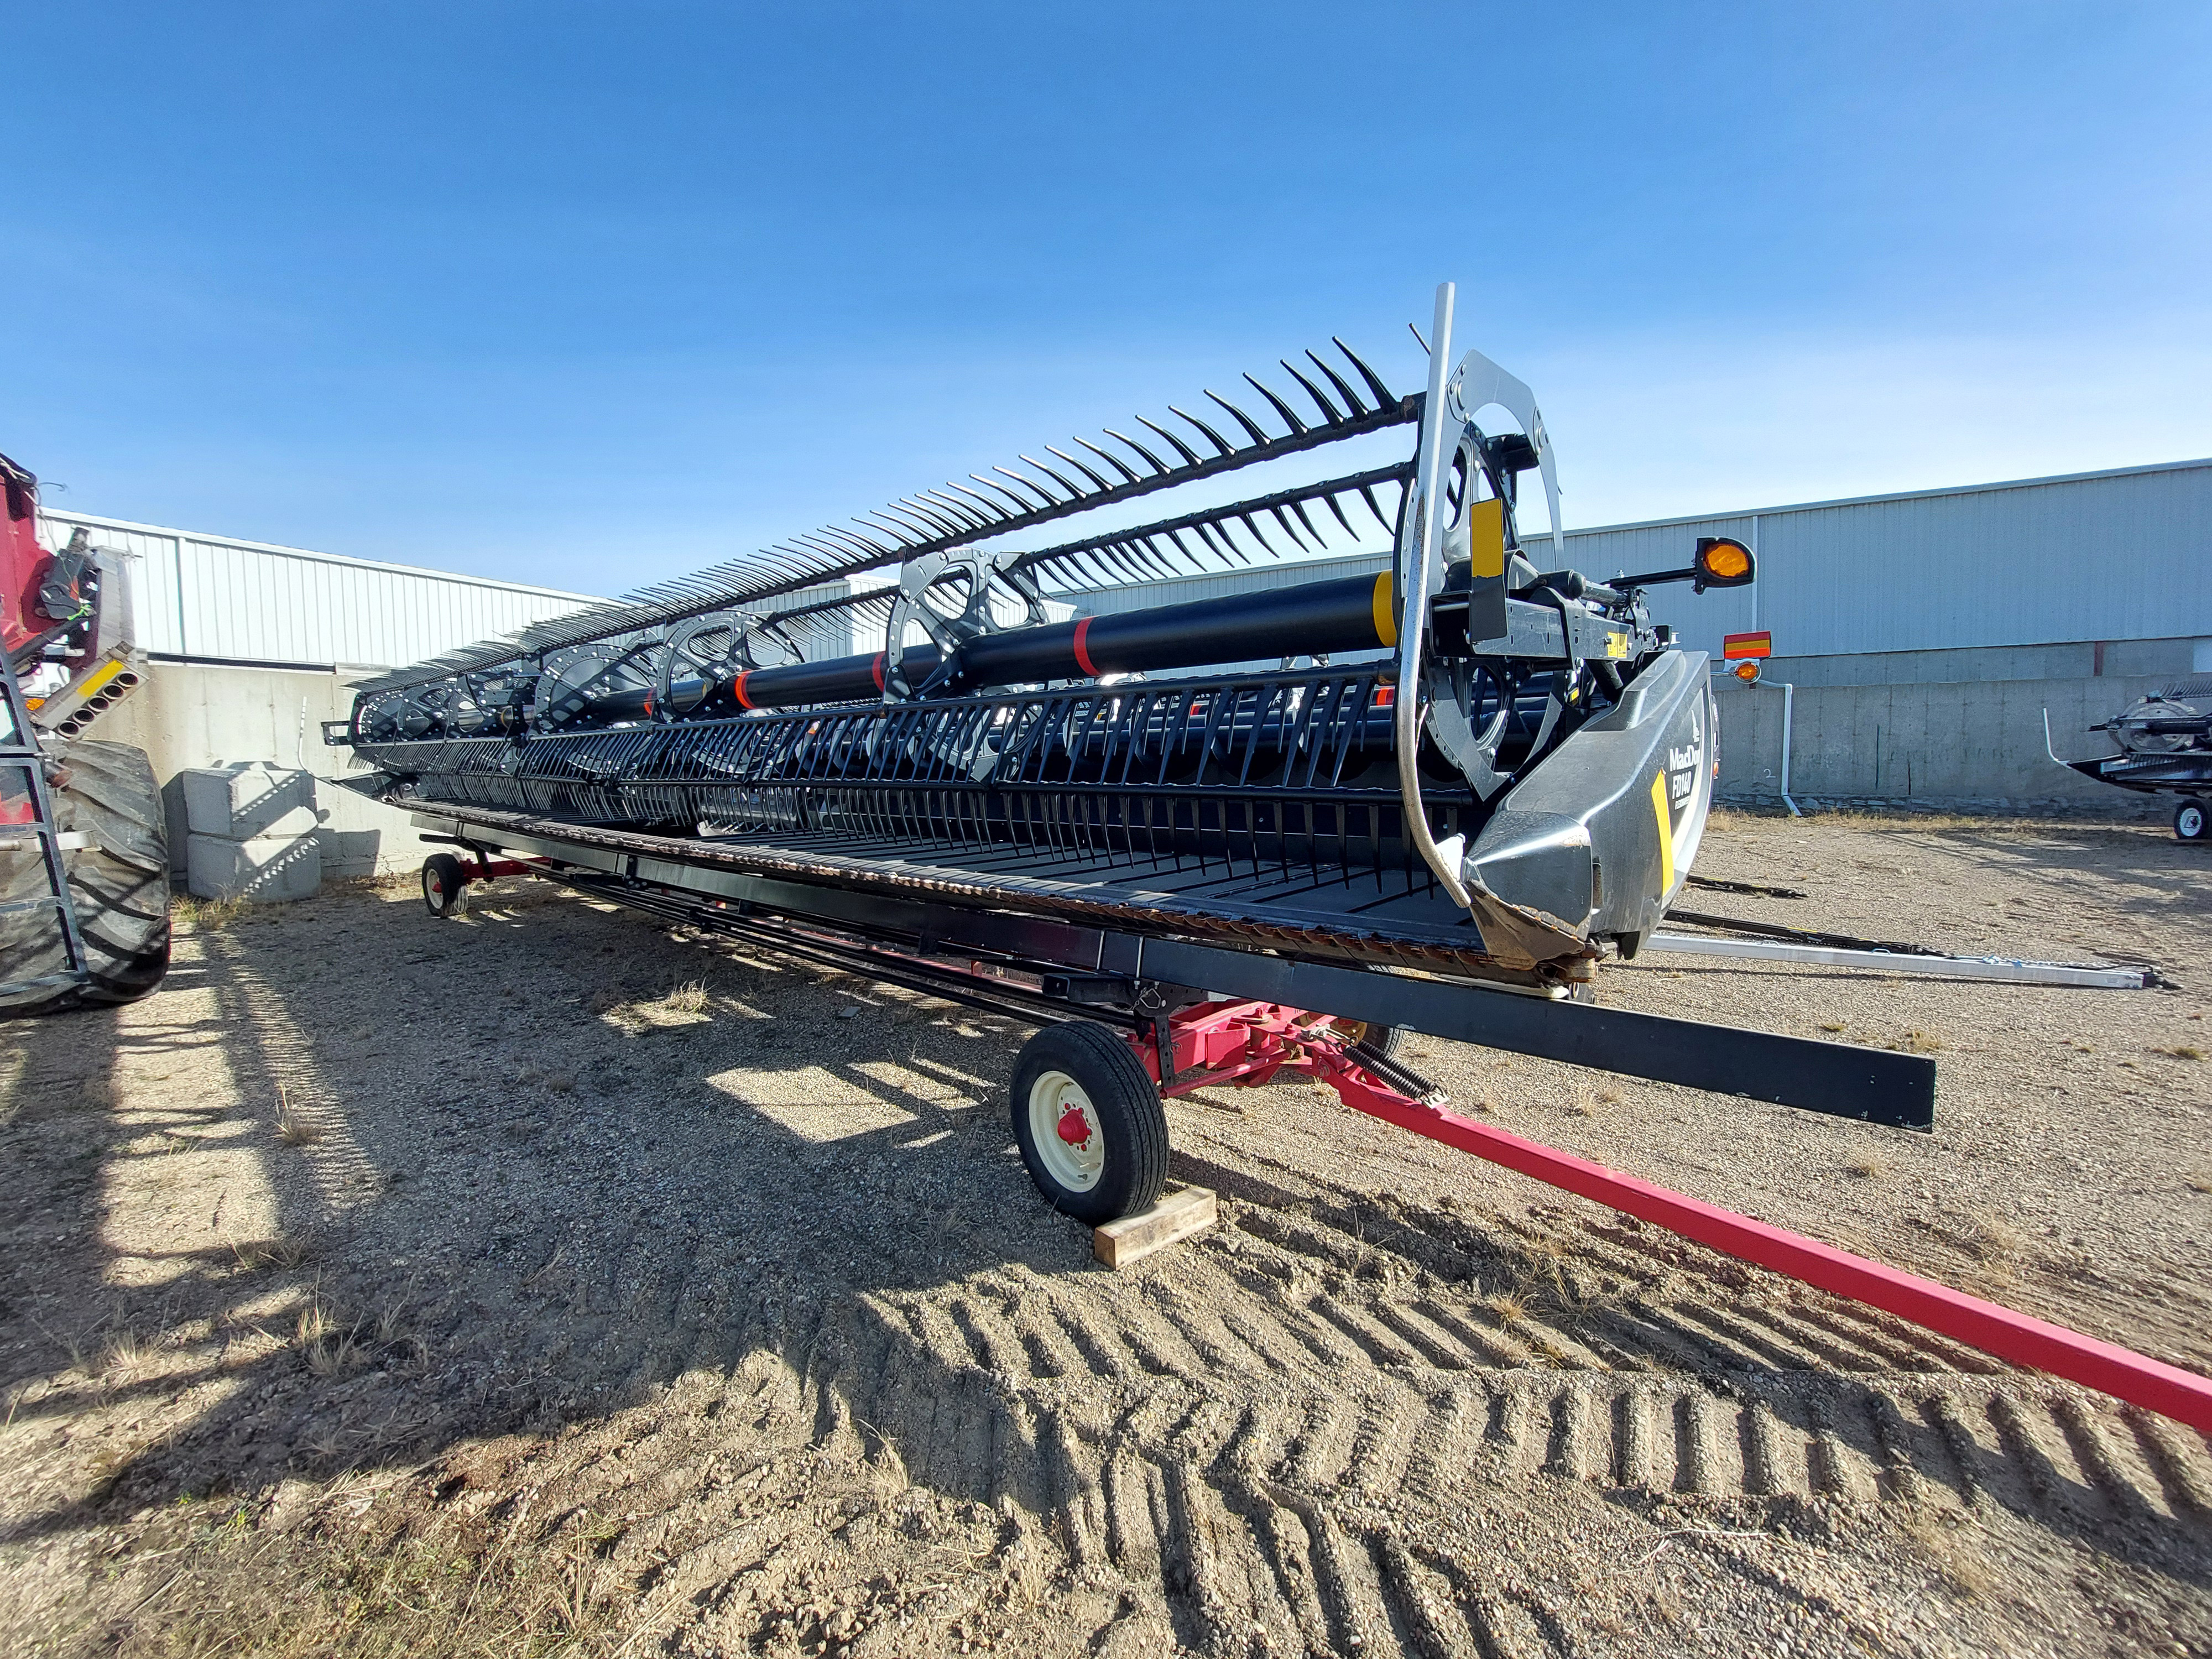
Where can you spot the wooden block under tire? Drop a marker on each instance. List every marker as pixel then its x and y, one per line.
pixel 1179 1215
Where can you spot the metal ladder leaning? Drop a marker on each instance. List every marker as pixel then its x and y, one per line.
pixel 27 829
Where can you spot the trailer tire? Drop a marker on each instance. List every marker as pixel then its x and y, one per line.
pixel 1080 1079
pixel 1370 1036
pixel 445 885
pixel 2192 820
pixel 118 881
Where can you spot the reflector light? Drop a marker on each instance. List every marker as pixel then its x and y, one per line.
pixel 1723 561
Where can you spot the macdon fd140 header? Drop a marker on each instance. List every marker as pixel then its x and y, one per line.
pixel 1445 793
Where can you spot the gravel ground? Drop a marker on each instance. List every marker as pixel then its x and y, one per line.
pixel 541 1280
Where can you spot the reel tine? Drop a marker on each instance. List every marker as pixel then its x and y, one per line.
pixel 1114 461
pixel 1021 507
pixel 1045 496
pixel 1349 397
pixel 1197 560
pixel 1075 492
pixel 1331 499
pixel 1245 518
pixel 1146 569
pixel 1051 449
pixel 1384 396
pixel 1189 455
pixel 1142 549
pixel 1327 409
pixel 936 520
pixel 1158 467
pixel 1243 419
pixel 1282 409
pixel 901 539
pixel 1367 494
pixel 1152 546
pixel 1212 436
pixel 1220 533
pixel 874 550
pixel 1288 530
pixel 1104 578
pixel 966 516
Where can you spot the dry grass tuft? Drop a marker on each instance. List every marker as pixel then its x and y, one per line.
pixel 281 1253
pixel 1510 1310
pixel 1832 1025
pixel 125 1351
pixel 328 1348
pixel 2180 1051
pixel 293 1128
pixel 1866 1168
pixel 604 1001
pixel 1923 1043
pixel 205 914
pixel 689 998
pixel 2198 1180
pixel 1964 1569
pixel 1993 1238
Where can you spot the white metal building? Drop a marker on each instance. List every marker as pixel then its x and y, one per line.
pixel 220 600
pixel 1926 633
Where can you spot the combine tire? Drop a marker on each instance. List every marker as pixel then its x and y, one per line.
pixel 2192 820
pixel 1089 1122
pixel 445 885
pixel 118 880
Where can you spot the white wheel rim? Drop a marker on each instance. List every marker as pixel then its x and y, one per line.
pixel 1057 1102
pixel 2193 822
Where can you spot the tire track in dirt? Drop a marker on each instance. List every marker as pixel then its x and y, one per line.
pixel 1268 1439
pixel 1307 1392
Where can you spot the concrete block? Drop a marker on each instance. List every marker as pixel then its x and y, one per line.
pixel 249 800
pixel 348 852
pixel 271 869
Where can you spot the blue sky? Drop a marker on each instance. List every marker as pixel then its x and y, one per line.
pixel 589 294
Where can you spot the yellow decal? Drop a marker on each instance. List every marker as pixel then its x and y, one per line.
pixel 1386 614
pixel 1486 529
pixel 1666 832
pixel 99 678
pixel 1616 645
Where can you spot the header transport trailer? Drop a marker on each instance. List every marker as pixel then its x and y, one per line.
pixel 1441 798
pixel 1452 789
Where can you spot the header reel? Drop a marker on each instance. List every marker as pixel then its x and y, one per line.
pixel 1502 758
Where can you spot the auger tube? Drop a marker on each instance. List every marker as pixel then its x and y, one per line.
pixel 1353 613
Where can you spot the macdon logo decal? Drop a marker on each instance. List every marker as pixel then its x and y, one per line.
pixel 1681 773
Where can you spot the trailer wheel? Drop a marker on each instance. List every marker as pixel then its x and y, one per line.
pixel 1372 1036
pixel 445 885
pixel 1089 1122
pixel 2192 820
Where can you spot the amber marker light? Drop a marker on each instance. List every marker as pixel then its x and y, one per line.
pixel 1747 673
pixel 1723 561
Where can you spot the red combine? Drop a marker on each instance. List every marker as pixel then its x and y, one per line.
pixel 84 867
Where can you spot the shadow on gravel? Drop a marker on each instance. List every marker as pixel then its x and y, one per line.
pixel 520 1203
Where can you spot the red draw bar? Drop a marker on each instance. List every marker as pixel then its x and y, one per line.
pixel 1201 1045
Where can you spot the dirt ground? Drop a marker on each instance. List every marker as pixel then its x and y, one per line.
pixel 540 1281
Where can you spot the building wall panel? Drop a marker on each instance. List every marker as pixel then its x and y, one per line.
pixel 213 597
